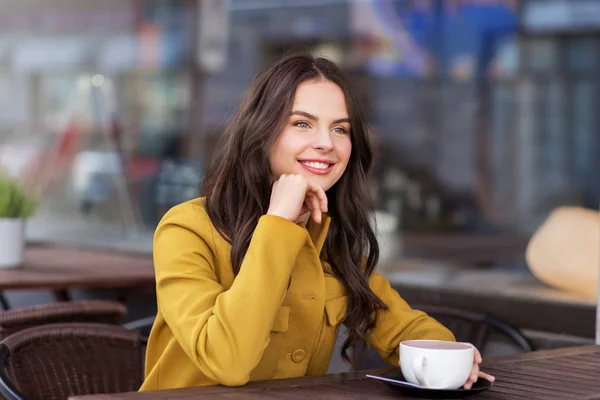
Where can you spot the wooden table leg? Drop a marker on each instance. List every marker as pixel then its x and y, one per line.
pixel 62 295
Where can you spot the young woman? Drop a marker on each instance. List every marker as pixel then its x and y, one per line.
pixel 255 279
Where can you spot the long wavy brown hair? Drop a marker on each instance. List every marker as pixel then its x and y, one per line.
pixel 238 182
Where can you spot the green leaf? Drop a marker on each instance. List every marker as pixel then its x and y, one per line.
pixel 14 201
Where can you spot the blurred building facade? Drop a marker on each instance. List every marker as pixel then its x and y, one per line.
pixel 486 109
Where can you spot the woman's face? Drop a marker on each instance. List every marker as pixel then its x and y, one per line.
pixel 315 142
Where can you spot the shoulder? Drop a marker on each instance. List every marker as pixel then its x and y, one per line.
pixel 190 215
pixel 184 241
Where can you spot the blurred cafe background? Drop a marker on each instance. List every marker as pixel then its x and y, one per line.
pixel 486 113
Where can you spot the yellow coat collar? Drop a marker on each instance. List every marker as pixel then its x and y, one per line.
pixel 318 232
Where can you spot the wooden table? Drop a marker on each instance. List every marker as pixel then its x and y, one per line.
pixel 498 292
pixel 479 249
pixel 565 374
pixel 60 268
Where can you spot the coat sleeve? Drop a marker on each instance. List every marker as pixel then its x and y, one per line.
pixel 400 322
pixel 224 332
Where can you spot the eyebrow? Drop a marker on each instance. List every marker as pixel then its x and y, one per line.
pixel 315 118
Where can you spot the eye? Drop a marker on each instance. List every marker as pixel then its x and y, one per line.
pixel 341 130
pixel 302 125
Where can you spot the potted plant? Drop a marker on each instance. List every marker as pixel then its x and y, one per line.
pixel 15 207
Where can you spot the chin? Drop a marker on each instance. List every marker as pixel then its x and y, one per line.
pixel 325 184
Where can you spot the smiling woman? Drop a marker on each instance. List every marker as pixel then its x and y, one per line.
pixel 255 279
pixel 315 142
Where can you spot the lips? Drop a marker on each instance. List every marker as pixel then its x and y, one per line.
pixel 317 167
pixel 316 164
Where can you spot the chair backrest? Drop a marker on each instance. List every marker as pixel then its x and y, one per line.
pixel 60 360
pixel 99 311
pixel 144 326
pixel 466 326
pixel 475 327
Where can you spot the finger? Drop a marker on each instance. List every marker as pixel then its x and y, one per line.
pixel 305 209
pixel 308 206
pixel 315 204
pixel 480 374
pixel 321 196
pixel 489 377
pixel 474 373
pixel 323 200
pixel 316 209
pixel 478 358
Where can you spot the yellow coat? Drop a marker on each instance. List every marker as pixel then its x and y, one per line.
pixel 279 318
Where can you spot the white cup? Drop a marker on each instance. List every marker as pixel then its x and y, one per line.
pixel 436 364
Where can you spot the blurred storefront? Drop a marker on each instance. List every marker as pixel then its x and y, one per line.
pixel 102 93
pixel 545 135
pixel 484 108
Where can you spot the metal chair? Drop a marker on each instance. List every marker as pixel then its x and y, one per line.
pixel 475 327
pixel 53 362
pixel 100 311
pixel 466 326
pixel 144 326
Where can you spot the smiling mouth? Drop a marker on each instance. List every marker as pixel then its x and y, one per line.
pixel 315 164
pixel 317 167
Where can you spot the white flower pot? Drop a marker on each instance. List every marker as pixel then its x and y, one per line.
pixel 12 242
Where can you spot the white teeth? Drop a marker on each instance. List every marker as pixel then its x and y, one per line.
pixel 314 164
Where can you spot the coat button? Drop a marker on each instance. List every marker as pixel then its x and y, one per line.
pixel 298 355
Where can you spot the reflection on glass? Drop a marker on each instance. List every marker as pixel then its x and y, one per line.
pixel 554 172
pixel 585 139
pixel 454 157
pixel 526 156
pixel 502 154
pixel 582 54
pixel 506 62
pixel 542 55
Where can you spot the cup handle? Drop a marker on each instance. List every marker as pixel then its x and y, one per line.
pixel 419 364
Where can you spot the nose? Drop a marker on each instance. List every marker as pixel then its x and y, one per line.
pixel 323 141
